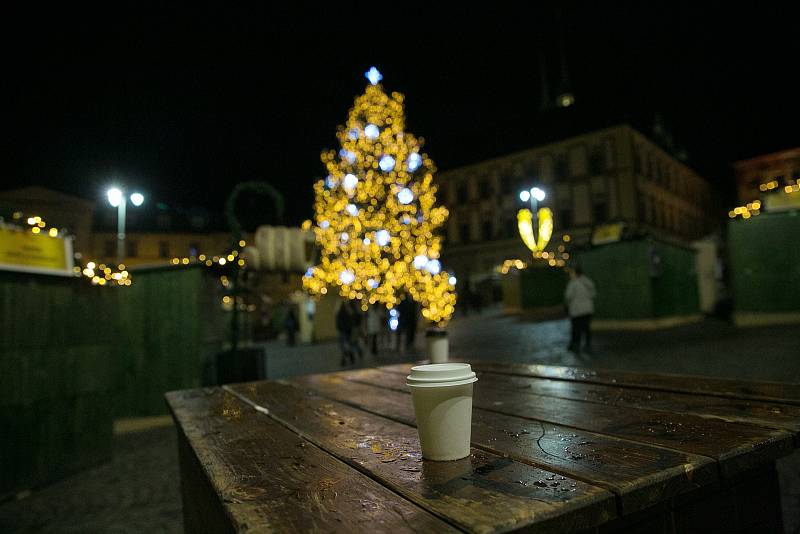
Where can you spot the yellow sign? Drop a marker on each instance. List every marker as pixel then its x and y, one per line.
pixel 525 226
pixel 607 233
pixel 22 250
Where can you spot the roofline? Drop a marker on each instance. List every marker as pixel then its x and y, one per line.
pixel 535 148
pixel 787 153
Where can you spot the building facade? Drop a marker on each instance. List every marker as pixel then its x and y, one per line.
pixel 614 175
pixel 767 173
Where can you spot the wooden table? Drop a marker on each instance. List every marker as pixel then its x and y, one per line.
pixel 555 449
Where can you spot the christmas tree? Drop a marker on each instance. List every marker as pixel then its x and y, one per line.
pixel 375 213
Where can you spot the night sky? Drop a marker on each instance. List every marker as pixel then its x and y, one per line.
pixel 184 104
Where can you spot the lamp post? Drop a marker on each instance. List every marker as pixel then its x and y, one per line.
pixel 535 195
pixel 117 199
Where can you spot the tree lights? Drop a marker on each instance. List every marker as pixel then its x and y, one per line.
pixel 375 215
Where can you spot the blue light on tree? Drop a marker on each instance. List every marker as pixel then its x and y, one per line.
pixel 324 224
pixel 420 261
pixel 382 238
pixel 352 209
pixel 414 161
pixel 330 183
pixel 350 181
pixel 347 277
pixel 372 283
pixel 309 272
pixel 373 75
pixel 347 155
pixel 353 133
pixel 433 266
pixel 405 196
pixel 386 163
pixel 372 132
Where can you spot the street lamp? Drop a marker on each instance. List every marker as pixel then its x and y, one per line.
pixel 535 195
pixel 116 197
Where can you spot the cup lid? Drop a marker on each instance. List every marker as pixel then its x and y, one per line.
pixel 441 374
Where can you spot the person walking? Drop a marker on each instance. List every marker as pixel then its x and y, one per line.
pixel 357 322
pixel 344 326
pixel 373 328
pixel 579 297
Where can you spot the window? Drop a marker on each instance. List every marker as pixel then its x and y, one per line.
pixel 109 248
pixel 596 161
pixel 577 161
pixel 561 168
pixel 462 193
pixel 609 150
pixel 463 233
pixel 600 211
pixel 131 248
pixel 510 227
pixel 484 188
pixel 505 184
pixel 565 217
pixel 487 230
pixel 163 249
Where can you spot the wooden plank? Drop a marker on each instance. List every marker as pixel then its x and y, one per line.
pixel 720 387
pixel 760 413
pixel 639 475
pixel 267 478
pixel 735 446
pixel 482 493
pixel 768 414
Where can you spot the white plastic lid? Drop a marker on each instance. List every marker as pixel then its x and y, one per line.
pixel 441 374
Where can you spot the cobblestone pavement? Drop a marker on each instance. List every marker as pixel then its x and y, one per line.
pixel 138 491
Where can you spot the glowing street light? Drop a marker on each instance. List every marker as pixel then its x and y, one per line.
pixel 116 197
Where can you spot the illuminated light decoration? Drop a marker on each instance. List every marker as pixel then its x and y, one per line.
pixel 386 163
pixel 433 266
pixel 345 237
pixel 352 209
pixel 390 228
pixel 352 133
pixel 393 313
pixel 525 195
pixel 347 277
pixel 545 230
pixel 330 183
pixel 382 238
pixel 350 181
pixel 373 75
pixel 420 261
pixel 53 232
pixel 137 199
pixel 348 156
pixel 414 162
pixel 393 324
pixel 372 132
pixel 452 280
pixel 405 196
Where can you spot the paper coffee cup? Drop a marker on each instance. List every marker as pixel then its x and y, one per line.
pixel 437 345
pixel 442 396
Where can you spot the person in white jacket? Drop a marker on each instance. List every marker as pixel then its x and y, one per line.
pixel 579 297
